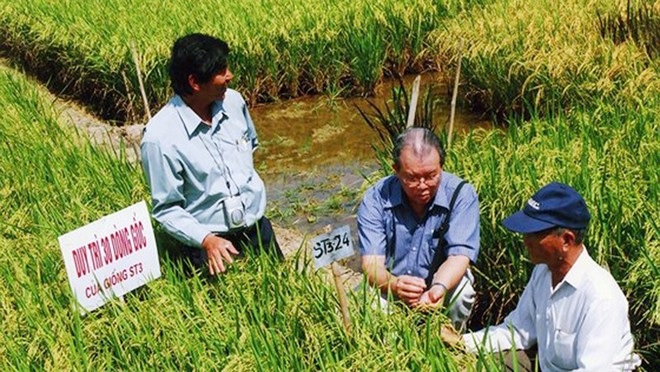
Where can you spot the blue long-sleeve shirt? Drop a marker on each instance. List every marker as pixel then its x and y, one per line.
pixel 387 226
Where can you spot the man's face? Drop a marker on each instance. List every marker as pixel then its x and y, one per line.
pixel 544 246
pixel 216 88
pixel 419 175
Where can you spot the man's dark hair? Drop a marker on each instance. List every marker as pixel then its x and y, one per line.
pixel 199 55
pixel 421 140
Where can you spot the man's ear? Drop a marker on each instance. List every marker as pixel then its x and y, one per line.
pixel 395 168
pixel 192 81
pixel 568 237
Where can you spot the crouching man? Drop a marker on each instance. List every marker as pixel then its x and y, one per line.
pixel 418 230
pixel 197 157
pixel 571 308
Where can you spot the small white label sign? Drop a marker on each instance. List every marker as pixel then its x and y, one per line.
pixel 111 256
pixel 333 246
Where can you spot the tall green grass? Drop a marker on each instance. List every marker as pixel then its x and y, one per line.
pixel 524 55
pixel 279 48
pixel 589 118
pixel 639 23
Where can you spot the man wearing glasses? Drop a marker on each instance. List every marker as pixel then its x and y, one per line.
pixel 418 230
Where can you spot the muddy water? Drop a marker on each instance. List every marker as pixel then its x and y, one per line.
pixel 315 152
pixel 314 132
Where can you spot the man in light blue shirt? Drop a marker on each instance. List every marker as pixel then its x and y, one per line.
pixel 410 246
pixel 197 156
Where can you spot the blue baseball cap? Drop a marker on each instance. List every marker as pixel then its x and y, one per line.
pixel 554 205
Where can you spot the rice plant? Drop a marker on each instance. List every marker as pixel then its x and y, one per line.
pixel 390 121
pixel 589 118
pixel 640 23
pixel 279 48
pixel 527 56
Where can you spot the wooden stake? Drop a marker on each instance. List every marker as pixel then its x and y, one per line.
pixel 139 76
pixel 413 102
pixel 341 291
pixel 343 300
pixel 454 95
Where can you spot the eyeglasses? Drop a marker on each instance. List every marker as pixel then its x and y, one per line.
pixel 430 179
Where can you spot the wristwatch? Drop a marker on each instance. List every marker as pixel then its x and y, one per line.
pixel 441 284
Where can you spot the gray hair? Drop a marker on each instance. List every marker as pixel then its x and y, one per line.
pixel 580 234
pixel 421 140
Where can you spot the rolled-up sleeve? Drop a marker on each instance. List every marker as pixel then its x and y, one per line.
pixel 252 132
pixel 164 178
pixel 463 234
pixel 371 227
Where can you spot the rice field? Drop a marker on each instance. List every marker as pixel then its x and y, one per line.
pixel 286 318
pixel 574 105
pixel 279 48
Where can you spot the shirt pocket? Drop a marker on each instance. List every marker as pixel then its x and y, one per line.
pixel 237 154
pixel 564 350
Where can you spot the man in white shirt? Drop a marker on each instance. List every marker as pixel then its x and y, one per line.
pixel 571 308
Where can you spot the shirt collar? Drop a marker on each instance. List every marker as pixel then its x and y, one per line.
pixel 440 199
pixel 395 191
pixel 578 271
pixel 191 121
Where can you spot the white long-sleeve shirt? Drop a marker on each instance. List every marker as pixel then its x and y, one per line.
pixel 582 324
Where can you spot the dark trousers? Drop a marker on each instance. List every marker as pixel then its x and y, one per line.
pixel 259 238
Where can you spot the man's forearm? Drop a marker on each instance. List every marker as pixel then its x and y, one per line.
pixel 377 274
pixel 451 271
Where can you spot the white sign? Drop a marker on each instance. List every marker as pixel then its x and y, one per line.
pixel 332 246
pixel 111 257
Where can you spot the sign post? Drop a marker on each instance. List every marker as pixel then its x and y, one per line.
pixel 111 256
pixel 327 249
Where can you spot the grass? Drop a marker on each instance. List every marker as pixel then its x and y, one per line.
pixel 544 78
pixel 639 23
pixel 578 107
pixel 526 56
pixel 279 48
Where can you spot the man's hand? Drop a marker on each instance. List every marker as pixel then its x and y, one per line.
pixel 406 288
pixel 409 289
pixel 449 336
pixel 218 250
pixel 432 299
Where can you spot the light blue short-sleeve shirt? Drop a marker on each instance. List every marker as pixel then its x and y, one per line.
pixel 191 167
pixel 388 226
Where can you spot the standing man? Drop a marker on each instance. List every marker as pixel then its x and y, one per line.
pixel 197 157
pixel 571 308
pixel 418 230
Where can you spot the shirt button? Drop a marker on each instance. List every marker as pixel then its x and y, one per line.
pixel 414 249
pixel 408 272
